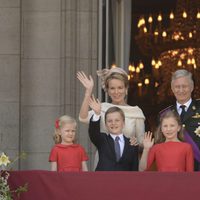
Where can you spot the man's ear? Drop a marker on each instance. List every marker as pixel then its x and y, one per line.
pixel 172 88
pixel 192 88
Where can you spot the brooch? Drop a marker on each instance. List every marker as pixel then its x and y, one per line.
pixel 197 131
pixel 197 115
pixel 193 108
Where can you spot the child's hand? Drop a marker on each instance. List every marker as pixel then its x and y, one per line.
pixel 148 141
pixel 95 105
pixel 87 82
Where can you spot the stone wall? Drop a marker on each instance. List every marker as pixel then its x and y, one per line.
pixel 43 44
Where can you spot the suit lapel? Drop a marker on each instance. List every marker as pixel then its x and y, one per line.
pixel 112 146
pixel 126 144
pixel 190 112
pixel 173 108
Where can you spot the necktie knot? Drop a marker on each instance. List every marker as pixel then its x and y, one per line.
pixel 117 139
pixel 183 107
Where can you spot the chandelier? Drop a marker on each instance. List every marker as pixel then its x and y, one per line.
pixel 173 43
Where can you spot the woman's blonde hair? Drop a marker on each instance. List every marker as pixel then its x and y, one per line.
pixel 117 76
pixel 65 119
pixel 114 73
pixel 159 137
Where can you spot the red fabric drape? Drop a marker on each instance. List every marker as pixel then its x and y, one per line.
pixel 47 185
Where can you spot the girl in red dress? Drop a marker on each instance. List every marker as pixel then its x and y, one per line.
pixel 65 155
pixel 169 152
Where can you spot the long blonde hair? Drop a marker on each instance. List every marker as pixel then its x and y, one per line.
pixel 65 119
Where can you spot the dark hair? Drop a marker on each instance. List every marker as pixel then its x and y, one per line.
pixel 115 109
pixel 159 137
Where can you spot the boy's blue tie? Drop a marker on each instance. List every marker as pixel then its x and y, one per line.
pixel 117 148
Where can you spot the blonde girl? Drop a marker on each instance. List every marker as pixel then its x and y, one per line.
pixel 65 154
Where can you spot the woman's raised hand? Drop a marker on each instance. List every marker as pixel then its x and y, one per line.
pixel 87 82
pixel 133 141
pixel 95 105
pixel 148 140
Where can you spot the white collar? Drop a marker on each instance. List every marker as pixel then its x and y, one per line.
pixel 187 104
pixel 121 136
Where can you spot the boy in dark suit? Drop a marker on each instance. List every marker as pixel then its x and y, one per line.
pixel 115 151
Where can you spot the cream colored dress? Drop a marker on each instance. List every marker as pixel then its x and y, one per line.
pixel 134 121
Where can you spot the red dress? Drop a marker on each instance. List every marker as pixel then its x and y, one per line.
pixel 68 157
pixel 172 157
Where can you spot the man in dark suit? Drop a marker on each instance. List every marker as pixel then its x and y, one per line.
pixel 182 86
pixel 115 151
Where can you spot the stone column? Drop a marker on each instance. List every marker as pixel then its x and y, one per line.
pixel 58 39
pixel 43 44
pixel 9 76
pixel 41 79
pixel 80 19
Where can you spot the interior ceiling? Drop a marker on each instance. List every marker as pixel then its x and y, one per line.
pixel 153 6
pixel 145 8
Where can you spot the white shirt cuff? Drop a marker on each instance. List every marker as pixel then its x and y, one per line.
pixel 95 117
